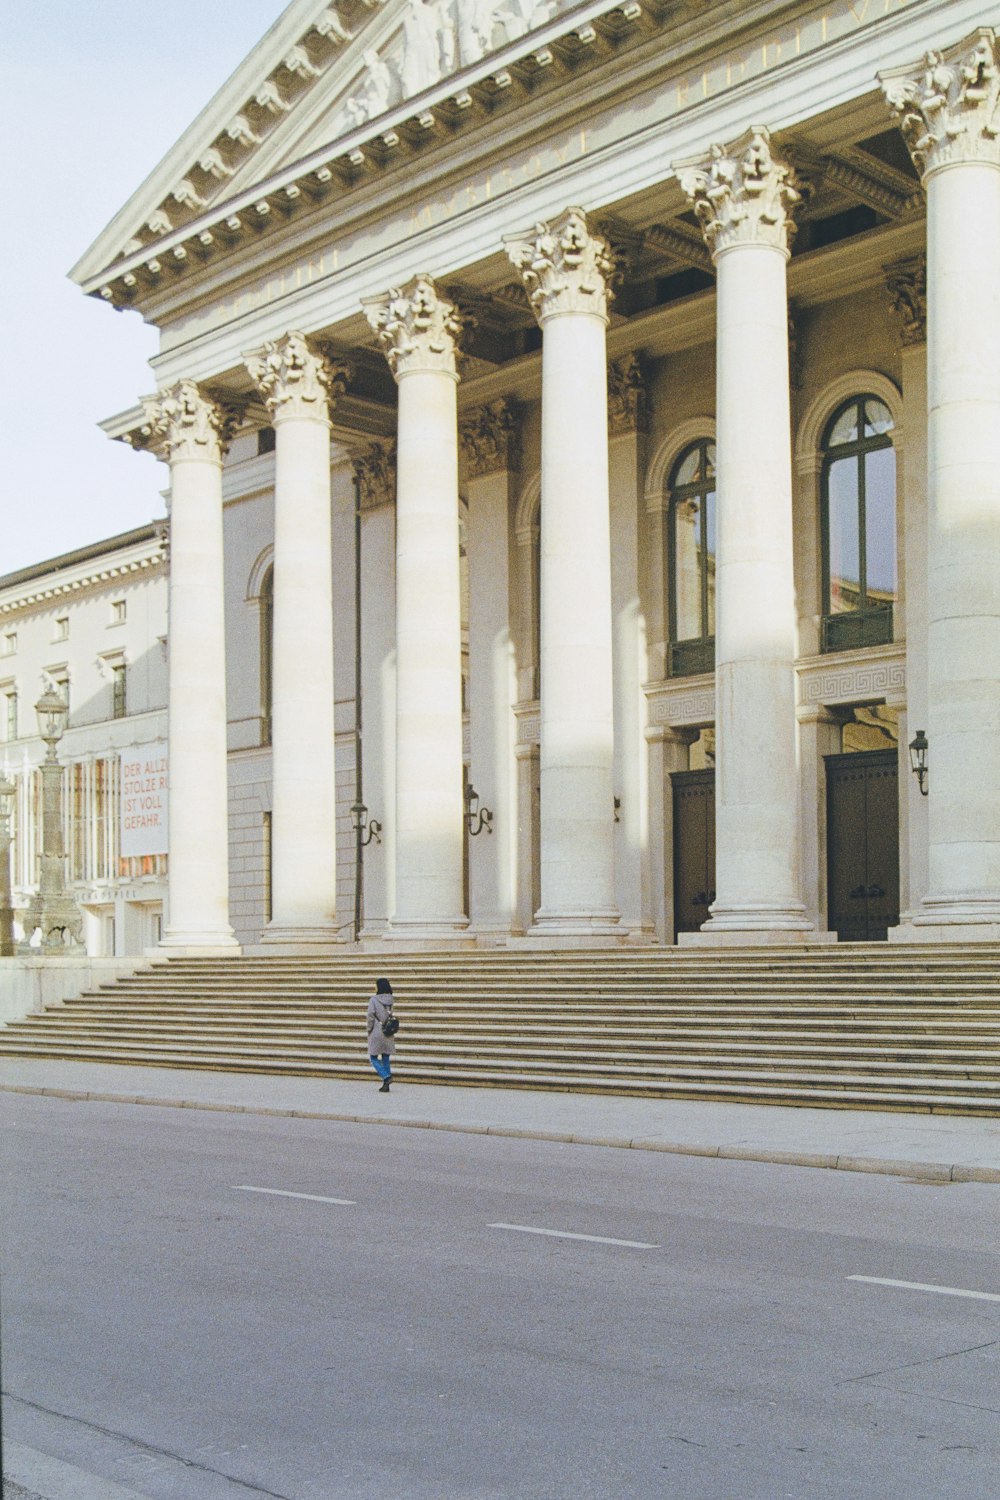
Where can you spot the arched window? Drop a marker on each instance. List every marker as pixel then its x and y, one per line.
pixel 859 525
pixel 266 653
pixel 691 561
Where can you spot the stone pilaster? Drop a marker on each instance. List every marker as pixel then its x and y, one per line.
pixel 488 437
pixel 418 331
pixel 948 109
pixel 297 384
pixel 190 433
pixel 745 198
pixel 567 272
pixel 906 281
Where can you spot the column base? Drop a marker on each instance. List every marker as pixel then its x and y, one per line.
pixel 737 926
pixel 967 917
pixel 756 937
pixel 598 922
pixel 180 943
pixel 963 917
pixel 424 935
pixel 292 937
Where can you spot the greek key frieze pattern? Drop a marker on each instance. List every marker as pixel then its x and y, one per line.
pixel 854 682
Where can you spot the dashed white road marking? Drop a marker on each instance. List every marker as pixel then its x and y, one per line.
pixel 281 1193
pixel 921 1286
pixel 566 1234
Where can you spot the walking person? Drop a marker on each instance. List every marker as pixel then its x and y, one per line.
pixel 382 1028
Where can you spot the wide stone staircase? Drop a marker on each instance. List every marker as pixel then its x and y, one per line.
pixel 865 1026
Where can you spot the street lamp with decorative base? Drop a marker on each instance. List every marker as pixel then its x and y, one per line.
pixel 53 909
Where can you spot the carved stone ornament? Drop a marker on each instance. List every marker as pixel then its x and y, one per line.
pixel 565 268
pixel 181 423
pixel 417 328
pixel 294 380
pixel 907 283
pixel 744 195
pixel 950 110
pixel 488 438
pixel 626 396
pixel 375 472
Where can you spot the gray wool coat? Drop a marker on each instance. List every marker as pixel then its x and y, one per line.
pixel 379 1010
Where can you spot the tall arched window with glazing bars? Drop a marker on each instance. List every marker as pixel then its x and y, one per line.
pixel 691 532
pixel 858 496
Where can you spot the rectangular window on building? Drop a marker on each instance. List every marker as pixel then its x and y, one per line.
pixel 265 440
pixel 61 685
pixel 10 715
pixel 61 628
pixel 118 690
pixel 10 643
pixel 118 612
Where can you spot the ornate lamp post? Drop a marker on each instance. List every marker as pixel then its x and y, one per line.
pixel 53 908
pixel 7 791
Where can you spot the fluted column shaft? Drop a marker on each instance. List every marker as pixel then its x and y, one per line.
pixel 297 385
pixel 418 330
pixel 190 433
pixel 948 112
pixel 744 199
pixel 566 270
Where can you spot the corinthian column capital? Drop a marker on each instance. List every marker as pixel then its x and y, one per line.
pixel 949 109
pixel 417 328
pixel 295 380
pixel 181 423
pixel 744 194
pixel 565 267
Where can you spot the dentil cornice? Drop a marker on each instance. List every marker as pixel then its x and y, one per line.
pixel 744 194
pixel 181 423
pixel 949 110
pixel 565 268
pixel 295 380
pixel 488 437
pixel 417 328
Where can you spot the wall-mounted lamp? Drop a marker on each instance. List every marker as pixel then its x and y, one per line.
pixel 366 832
pixel 918 760
pixel 618 809
pixel 476 818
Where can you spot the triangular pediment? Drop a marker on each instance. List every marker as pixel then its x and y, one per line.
pixel 321 74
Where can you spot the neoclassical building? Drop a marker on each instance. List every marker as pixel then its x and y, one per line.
pixel 92 625
pixel 583 426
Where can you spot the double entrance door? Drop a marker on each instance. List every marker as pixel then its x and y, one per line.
pixel 862 845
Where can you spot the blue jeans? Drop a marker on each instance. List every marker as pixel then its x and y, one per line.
pixel 381 1065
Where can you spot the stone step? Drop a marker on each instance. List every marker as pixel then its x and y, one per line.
pixel 823 1092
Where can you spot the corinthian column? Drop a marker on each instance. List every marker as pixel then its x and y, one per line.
pixel 745 199
pixel 949 112
pixel 566 270
pixel 297 385
pixel 418 331
pixel 191 434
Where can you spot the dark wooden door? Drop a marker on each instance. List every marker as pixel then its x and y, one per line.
pixel 694 848
pixel 862 841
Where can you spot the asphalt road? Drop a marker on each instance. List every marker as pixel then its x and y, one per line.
pixel 404 1328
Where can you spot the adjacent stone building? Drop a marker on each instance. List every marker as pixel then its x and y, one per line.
pixel 93 625
pixel 587 414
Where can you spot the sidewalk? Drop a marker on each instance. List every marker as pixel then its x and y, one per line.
pixel 943 1147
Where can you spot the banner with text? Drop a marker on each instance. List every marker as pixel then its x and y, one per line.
pixel 144 800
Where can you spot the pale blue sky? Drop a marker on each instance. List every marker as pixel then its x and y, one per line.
pixel 93 95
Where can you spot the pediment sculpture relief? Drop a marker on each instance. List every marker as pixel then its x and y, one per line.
pixel 437 38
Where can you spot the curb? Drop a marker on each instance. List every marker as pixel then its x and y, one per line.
pixel 37 1475
pixel 930 1171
